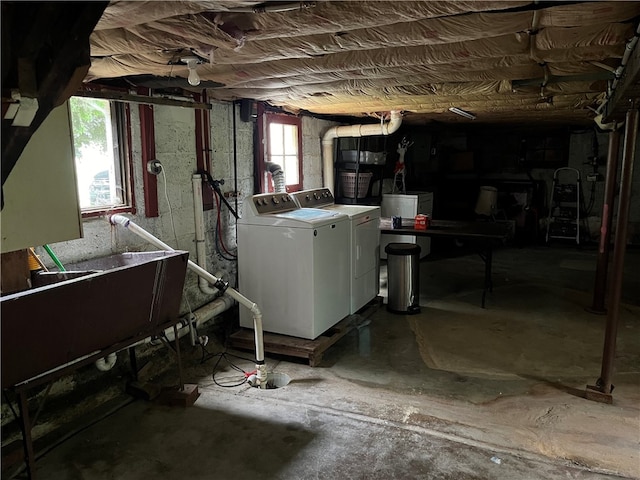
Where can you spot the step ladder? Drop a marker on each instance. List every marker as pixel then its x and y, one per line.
pixel 565 206
pixel 398 182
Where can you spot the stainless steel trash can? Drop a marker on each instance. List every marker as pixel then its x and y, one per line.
pixel 403 277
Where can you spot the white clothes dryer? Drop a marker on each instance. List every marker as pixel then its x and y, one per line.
pixel 364 243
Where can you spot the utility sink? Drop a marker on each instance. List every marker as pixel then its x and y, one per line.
pixel 97 304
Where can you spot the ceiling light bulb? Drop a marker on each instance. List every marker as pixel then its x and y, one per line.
pixel 194 78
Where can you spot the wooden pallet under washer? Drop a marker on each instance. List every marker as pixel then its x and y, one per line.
pixel 301 347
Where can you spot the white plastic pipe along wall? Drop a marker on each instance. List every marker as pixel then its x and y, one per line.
pixel 353 131
pixel 106 363
pixel 201 244
pixel 261 368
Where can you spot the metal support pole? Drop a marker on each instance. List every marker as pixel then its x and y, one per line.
pixel 134 362
pixel 599 290
pixel 603 389
pixel 25 426
pixel 178 358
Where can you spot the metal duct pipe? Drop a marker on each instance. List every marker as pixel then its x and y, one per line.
pixel 353 131
pixel 261 368
pixel 277 174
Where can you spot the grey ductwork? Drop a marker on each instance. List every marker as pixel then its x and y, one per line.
pixel 277 174
pixel 353 131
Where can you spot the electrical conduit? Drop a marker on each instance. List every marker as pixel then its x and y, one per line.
pixel 261 368
pixel 353 131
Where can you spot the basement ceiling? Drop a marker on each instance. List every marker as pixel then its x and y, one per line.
pixel 502 61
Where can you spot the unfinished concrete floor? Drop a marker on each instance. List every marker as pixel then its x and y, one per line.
pixel 456 392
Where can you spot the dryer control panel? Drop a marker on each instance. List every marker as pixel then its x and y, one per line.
pixel 269 203
pixel 316 198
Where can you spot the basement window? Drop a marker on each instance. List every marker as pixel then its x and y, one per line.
pixel 282 135
pixel 101 146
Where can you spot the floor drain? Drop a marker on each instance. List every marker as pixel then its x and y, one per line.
pixel 275 380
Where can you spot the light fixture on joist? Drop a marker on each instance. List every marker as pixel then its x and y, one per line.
pixel 462 113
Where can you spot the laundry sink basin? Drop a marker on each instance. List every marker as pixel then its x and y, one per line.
pixel 97 304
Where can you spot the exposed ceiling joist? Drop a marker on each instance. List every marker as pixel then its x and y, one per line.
pixel 43 62
pixel 355 57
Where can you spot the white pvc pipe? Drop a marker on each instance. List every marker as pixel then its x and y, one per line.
pixel 203 315
pixel 353 131
pixel 201 245
pixel 105 364
pixel 241 299
pixel 213 309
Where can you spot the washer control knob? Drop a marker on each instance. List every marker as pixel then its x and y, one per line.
pixel 275 200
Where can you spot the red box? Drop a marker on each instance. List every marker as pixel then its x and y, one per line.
pixel 421 222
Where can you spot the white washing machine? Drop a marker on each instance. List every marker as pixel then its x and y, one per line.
pixel 294 263
pixel 364 243
pixel 407 205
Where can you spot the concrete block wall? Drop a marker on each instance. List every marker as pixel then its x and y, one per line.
pixel 176 150
pixel 312 131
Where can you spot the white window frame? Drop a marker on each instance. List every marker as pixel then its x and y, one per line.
pixel 119 141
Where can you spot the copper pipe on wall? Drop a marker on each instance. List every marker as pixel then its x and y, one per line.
pixel 603 389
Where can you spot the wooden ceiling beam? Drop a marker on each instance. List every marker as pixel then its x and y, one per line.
pixel 47 63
